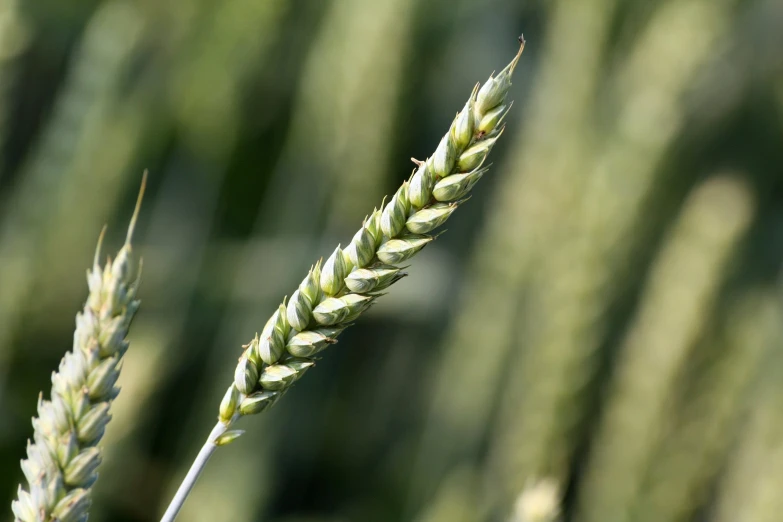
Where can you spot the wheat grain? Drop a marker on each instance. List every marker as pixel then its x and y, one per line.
pixel 336 292
pixel 62 461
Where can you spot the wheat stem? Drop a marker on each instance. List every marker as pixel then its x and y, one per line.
pixel 195 470
pixel 337 291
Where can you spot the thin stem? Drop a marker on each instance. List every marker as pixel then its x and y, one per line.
pixel 194 472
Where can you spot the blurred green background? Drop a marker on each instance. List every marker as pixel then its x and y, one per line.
pixel 596 338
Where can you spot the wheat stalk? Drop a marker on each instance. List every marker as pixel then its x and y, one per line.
pixel 62 461
pixel 336 292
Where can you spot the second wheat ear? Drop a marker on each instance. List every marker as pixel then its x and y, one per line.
pixel 62 461
pixel 336 292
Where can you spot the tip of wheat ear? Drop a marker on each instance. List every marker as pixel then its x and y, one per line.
pixel 137 209
pixel 513 65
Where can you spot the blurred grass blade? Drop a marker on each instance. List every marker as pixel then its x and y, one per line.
pixel 684 466
pixel 530 192
pixel 582 257
pixel 15 35
pixel 675 308
pixel 751 485
pixel 60 168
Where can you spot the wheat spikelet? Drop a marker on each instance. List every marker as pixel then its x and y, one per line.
pixel 337 291
pixel 62 461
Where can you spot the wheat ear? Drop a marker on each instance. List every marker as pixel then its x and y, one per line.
pixel 337 292
pixel 62 461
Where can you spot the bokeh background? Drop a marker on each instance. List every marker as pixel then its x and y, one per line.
pixel 597 338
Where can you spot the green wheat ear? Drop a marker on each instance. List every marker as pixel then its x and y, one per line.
pixel 336 292
pixel 61 463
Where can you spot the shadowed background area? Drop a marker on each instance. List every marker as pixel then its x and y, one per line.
pixel 597 338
